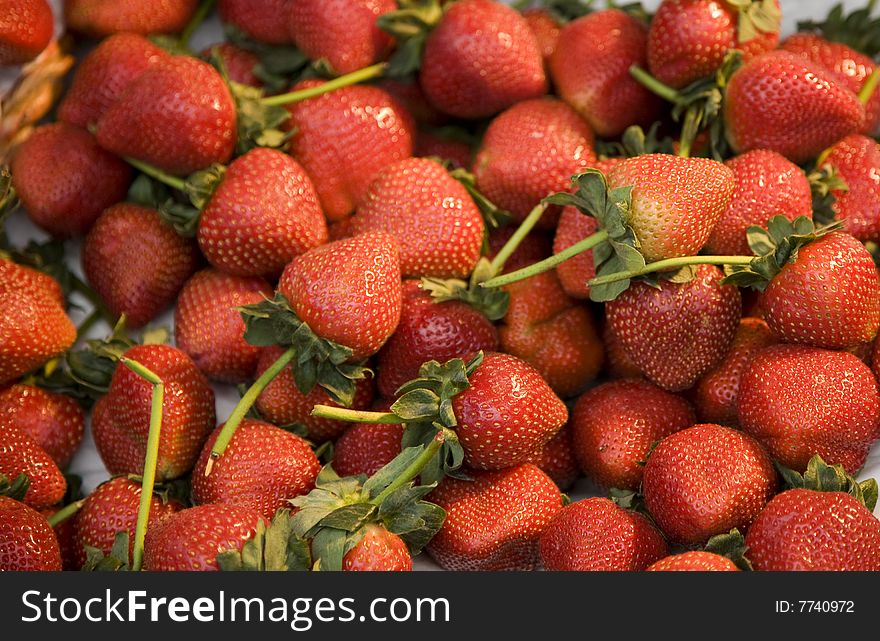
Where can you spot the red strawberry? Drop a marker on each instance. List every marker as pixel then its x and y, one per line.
pixel 191 539
pixel 767 185
pixel 706 480
pixel 676 332
pixel 263 213
pixel 800 401
pixel 595 534
pixel 239 63
pixel 264 20
pixel 370 131
pixel 408 93
pixel 178 115
pixel 436 223
pixel 430 144
pixel 694 561
pixel 21 454
pixel 689 38
pixel 342 32
pixel 617 363
pixel 556 459
pixel 715 394
pixel 121 418
pixel 783 103
pixel 857 161
pixel 65 180
pixel 26 28
pixel 262 467
pixel 64 532
pixel 378 551
pixel 136 262
pixel 19 277
pixel 364 448
pixel 113 507
pixel 875 360
pixel 545 29
pixel 55 421
pixel 494 521
pixel 480 59
pixel 575 273
pixel 209 328
pixel 531 151
pixel 590 69
pixel 101 18
pixel 27 542
pixel 104 74
pixel 615 425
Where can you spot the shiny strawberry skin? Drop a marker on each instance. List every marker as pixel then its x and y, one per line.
pixel 694 561
pixel 436 223
pixel 136 262
pixel 857 161
pixel 481 59
pixel 557 460
pixel 829 296
pixel 26 27
pixel 191 539
pixel 679 331
pixel 783 103
pixel 767 185
pixel 590 69
pixel 55 421
pixel 263 214
pixel 65 180
pixel 65 535
pixel 27 542
pixel 596 535
pixel 530 151
pixel 267 21
pixel 19 277
pixel 209 328
pixel 178 115
pixel 575 273
pixel 21 454
pixel 800 401
pixel 262 467
pixel 365 448
pixel 239 63
pixel 101 18
pixel 494 521
pixel 545 29
pixel 617 363
pixel 378 551
pixel 615 425
pixel 428 144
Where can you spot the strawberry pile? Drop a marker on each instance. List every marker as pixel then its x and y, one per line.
pixel 455 258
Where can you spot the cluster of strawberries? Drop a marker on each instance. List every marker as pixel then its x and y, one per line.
pixel 415 262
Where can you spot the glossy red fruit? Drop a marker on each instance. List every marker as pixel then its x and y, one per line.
pixel 679 331
pixel 615 425
pixel 101 18
pixel 18 277
pixel 378 551
pixel 239 63
pixel 365 448
pixel 21 454
pixel 27 542
pixel 857 161
pixel 430 144
pixel 545 29
pixel 800 401
pixel 191 539
pixel 590 69
pixel 136 262
pixel 209 328
pixel 575 273
pixel 597 535
pixel 494 521
pixel 266 21
pixel 55 421
pixel 617 363
pixel 66 540
pixel 694 561
pixel 767 185
pixel 557 460
pixel 26 27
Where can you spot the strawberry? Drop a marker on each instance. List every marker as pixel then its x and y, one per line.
pixel 209 328
pixel 438 227
pixel 530 151
pixel 693 561
pixel 27 542
pixel 26 27
pixel 574 274
pixel 689 38
pixel 342 32
pixel 430 144
pixel 20 277
pixel 676 332
pixel 617 363
pixel 590 69
pixel 556 459
pixel 378 551
pixel 800 401
pixel 370 129
pixel 239 63
pixel 493 522
pixel 21 454
pixel 365 448
pixel 101 18
pixel 533 247
pixel 407 92
pixel 706 480
pixel 546 30
pixel 113 507
pixel 715 394
pixel 136 262
pixel 781 102
pixel 121 418
pixel 64 532
pixel 595 534
pixel 263 467
pixel 65 180
pixel 55 421
pixel 191 539
pixel 177 115
pixel 267 21
pixel 767 185
pixel 856 160
pixel 104 74
pixel 615 425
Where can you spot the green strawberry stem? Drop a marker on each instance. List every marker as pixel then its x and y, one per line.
pixel 672 263
pixel 653 85
pixel 355 416
pixel 870 85
pixel 149 478
pixel 65 513
pixel 175 182
pixel 244 405
pixel 514 241
pixel 198 18
pixel 353 78
pixel 413 470
pixel 548 263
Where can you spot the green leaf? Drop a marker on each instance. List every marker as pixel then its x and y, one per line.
pixel 821 477
pixel 825 184
pixel 857 29
pixel 15 489
pixel 116 561
pixel 489 301
pixel 328 549
pixel 385 476
pixel 348 517
pixel 410 26
pixel 732 546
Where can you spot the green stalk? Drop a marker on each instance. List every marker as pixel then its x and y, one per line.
pixel 355 416
pixel 65 513
pixel 198 18
pixel 870 85
pixel 514 241
pixel 175 182
pixel 88 323
pixel 653 85
pixel 353 78
pixel 244 405
pixel 671 263
pixel 548 263
pixel 412 470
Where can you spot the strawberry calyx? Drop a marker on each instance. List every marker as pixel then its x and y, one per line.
pixel 493 215
pixel 635 142
pixel 731 546
pixel 821 477
pixel 857 29
pixel 279 66
pixel 116 561
pixel 490 302
pixel 755 18
pixel 272 548
pixel 15 488
pixel 824 181
pixel 410 26
pixel 8 199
